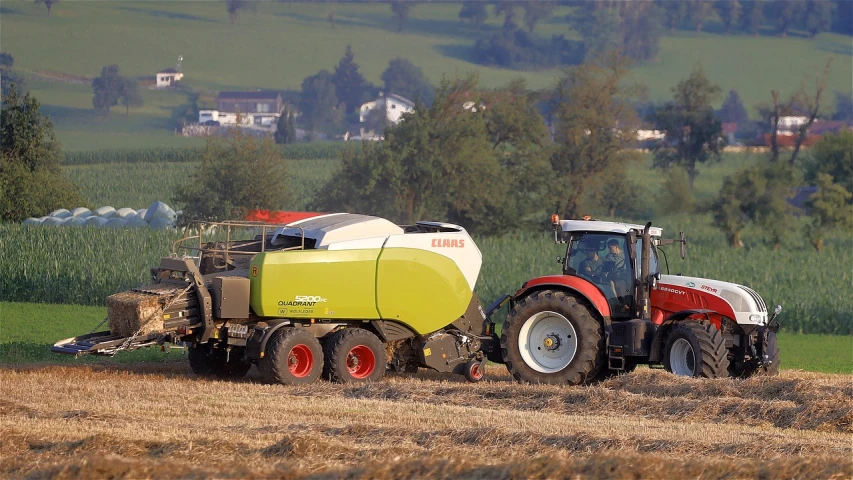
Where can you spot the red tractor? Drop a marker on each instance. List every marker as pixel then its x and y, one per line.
pixel 611 310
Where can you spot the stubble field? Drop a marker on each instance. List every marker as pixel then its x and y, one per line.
pixel 135 421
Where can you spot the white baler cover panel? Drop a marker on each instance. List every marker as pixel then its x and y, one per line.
pixel 340 227
pixel 457 246
pixel 611 227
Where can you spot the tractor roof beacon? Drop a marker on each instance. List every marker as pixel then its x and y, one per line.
pixel 612 309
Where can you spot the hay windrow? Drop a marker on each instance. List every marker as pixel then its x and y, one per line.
pixel 129 312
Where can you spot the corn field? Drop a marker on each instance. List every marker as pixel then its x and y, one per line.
pixel 85 265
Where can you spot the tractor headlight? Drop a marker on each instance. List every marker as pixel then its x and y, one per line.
pixel 755 318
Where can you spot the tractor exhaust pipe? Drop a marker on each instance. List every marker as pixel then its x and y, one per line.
pixel 645 280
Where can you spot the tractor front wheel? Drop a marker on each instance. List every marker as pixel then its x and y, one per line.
pixel 552 337
pixel 354 355
pixel 696 349
pixel 293 357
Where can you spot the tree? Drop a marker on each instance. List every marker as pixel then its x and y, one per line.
pixel 400 10
pixel 675 12
pixel 593 122
pixel 632 27
pixel 350 85
pixel 753 16
pixel 693 135
pixel 832 155
pixel 130 95
pixel 475 12
pixel 736 204
pixel 107 89
pixel 843 107
pixel 48 4
pixel 31 182
pixel 829 207
pixel 9 78
pixel 508 10
pixel 818 16
pixel 699 11
pixel 455 160
pixel 733 109
pixel 319 104
pixel 729 12
pixel 404 78
pixel 536 10
pixel 285 132
pixel 235 6
pixel 787 12
pixel 237 174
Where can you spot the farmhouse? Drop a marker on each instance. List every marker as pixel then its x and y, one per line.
pixel 255 109
pixel 168 77
pixel 373 115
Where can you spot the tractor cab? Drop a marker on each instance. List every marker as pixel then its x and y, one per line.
pixel 608 255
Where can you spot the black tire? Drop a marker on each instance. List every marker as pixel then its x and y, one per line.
pixel 475 370
pixel 584 341
pixel 293 357
pixel 215 364
pixel 354 355
pixel 696 349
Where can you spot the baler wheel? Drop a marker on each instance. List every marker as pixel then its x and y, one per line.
pixel 354 355
pixel 552 337
pixel 696 349
pixel 215 364
pixel 475 370
pixel 293 357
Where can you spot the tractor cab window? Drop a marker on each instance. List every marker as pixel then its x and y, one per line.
pixel 603 260
pixel 654 267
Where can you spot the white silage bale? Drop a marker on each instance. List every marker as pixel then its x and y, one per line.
pixel 116 222
pixel 159 209
pixel 81 212
pixel 106 212
pixel 75 221
pixel 161 223
pixel 125 212
pixel 136 222
pixel 32 221
pixel 141 213
pixel 60 213
pixel 52 221
pixel 95 221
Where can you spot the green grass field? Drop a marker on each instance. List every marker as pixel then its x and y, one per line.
pixel 27 330
pixel 281 43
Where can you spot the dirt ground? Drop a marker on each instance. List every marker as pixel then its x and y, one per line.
pixel 160 421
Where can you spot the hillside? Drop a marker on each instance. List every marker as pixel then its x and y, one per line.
pixel 279 44
pixel 122 422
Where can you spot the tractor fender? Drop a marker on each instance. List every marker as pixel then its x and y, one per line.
pixel 568 283
pixel 656 353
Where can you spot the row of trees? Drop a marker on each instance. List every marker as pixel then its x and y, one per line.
pixel 636 26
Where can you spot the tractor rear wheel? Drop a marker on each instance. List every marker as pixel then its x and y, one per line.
pixel 293 357
pixel 696 349
pixel 551 337
pixel 354 355
pixel 207 363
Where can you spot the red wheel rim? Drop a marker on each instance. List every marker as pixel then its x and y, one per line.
pixel 476 372
pixel 361 361
pixel 300 361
